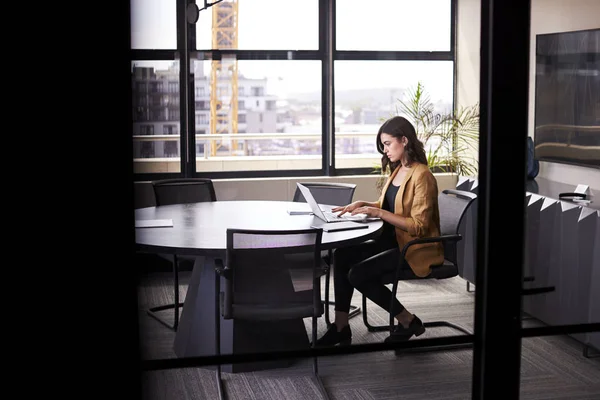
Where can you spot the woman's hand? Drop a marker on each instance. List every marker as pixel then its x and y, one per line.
pixel 349 208
pixel 370 212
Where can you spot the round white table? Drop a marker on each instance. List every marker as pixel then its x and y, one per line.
pixel 199 229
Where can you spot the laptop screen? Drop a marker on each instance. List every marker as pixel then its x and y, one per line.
pixel 314 206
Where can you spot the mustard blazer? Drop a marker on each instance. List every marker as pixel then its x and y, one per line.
pixel 417 200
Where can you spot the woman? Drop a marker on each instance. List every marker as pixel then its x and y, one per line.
pixel 409 208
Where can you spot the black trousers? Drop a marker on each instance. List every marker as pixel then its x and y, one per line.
pixel 368 267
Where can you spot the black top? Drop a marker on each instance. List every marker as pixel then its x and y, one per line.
pixel 389 205
pixel 390 198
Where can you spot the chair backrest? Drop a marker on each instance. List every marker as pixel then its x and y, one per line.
pixel 143 195
pixel 183 190
pixel 453 205
pixel 273 274
pixel 335 194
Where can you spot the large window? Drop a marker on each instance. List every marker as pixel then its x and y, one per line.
pixel 153 24
pixel 263 24
pixel 276 125
pixel 400 25
pixel 361 105
pixel 270 95
pixel 156 115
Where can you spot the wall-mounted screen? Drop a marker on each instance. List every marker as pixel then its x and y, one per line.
pixel 567 98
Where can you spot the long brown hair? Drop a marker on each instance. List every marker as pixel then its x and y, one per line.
pixel 399 127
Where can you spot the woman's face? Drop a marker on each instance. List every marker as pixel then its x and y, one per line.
pixel 392 147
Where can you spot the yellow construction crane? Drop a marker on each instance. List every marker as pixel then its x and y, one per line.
pixel 224 74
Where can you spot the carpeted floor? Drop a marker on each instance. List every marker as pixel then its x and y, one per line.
pixel 551 367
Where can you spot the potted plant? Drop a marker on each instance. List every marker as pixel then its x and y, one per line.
pixel 451 139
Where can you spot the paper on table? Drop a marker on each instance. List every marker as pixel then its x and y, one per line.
pixel 299 212
pixel 153 223
pixel 299 209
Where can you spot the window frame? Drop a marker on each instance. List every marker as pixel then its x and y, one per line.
pixel 326 53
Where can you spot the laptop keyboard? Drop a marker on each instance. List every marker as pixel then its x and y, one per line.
pixel 346 217
pixel 331 215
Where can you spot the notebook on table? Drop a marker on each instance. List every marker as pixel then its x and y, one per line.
pixel 341 226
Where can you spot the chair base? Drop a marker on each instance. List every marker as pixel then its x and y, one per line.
pixel 176 305
pixel 431 324
pixel 469 287
pixel 437 324
pixel 223 394
pixel 590 354
pixel 525 279
pixel 220 385
pixel 153 312
pixel 445 347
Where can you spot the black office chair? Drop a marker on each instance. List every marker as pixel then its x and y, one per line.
pixel 256 259
pixel 453 205
pixel 143 196
pixel 183 190
pixel 179 191
pixel 335 194
pixel 332 193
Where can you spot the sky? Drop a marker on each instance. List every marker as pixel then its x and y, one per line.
pixel 291 24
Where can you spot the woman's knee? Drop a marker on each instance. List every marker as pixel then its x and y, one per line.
pixel 341 254
pixel 356 277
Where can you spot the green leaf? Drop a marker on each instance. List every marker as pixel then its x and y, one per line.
pixel 455 133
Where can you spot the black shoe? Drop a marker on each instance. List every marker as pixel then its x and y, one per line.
pixel 401 334
pixel 333 337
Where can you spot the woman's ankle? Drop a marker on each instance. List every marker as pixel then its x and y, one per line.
pixel 404 318
pixel 341 320
pixel 340 325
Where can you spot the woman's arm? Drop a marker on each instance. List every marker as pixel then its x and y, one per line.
pixel 394 219
pixel 374 204
pixel 375 212
pixel 421 213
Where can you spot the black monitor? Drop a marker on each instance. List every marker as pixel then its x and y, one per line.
pixel 567 98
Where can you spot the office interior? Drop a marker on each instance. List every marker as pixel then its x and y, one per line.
pixel 555 358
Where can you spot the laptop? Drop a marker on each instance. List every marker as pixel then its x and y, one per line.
pixel 327 215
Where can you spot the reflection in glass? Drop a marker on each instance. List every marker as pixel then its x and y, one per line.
pixel 367 93
pixel 156 113
pixel 393 25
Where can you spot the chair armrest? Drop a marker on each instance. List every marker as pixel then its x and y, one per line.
pixel 461 193
pixel 444 238
pixel 538 290
pixel 221 269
